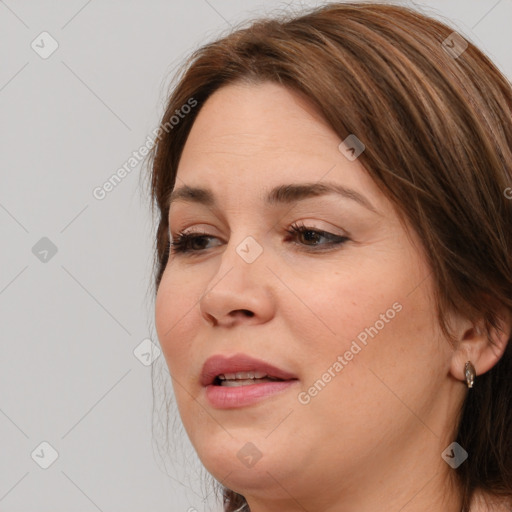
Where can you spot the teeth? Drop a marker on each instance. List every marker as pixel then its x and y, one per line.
pixel 244 382
pixel 242 375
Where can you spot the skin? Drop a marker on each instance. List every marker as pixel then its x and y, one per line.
pixel 373 437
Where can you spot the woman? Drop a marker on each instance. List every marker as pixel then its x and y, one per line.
pixel 333 264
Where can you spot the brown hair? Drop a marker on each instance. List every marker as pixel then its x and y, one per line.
pixel 438 134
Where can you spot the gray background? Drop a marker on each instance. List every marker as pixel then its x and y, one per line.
pixel 70 323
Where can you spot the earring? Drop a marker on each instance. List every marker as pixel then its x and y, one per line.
pixel 470 373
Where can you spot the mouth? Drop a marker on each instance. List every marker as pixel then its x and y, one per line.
pixel 240 370
pixel 241 380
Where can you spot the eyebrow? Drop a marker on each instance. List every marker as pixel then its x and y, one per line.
pixel 281 194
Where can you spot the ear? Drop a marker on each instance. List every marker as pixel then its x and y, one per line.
pixel 482 349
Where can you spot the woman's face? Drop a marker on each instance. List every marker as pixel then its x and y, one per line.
pixel 343 311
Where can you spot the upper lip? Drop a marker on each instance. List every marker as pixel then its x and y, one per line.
pixel 219 364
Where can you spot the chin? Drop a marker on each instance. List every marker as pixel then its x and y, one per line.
pixel 258 480
pixel 247 461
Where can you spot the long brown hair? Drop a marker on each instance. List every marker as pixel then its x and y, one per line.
pixel 437 126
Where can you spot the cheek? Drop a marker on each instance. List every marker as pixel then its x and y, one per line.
pixel 174 321
pixel 339 306
pixel 401 363
pixel 381 309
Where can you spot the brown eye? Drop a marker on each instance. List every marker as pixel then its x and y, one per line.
pixel 189 242
pixel 310 234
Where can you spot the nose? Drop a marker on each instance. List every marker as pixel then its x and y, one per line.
pixel 239 292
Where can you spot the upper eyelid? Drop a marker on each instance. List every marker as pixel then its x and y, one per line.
pixel 193 230
pixel 336 242
pixel 333 242
pixel 308 222
pixel 294 229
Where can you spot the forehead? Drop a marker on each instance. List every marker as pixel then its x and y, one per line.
pixel 258 118
pixel 249 138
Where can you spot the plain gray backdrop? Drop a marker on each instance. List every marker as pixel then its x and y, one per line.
pixel 75 313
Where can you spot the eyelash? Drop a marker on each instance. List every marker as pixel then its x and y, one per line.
pixel 181 243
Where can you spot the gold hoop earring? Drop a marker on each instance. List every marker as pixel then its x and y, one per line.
pixel 470 373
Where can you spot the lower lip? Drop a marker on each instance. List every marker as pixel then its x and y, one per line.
pixel 224 397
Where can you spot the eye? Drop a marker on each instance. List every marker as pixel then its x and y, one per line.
pixel 195 242
pixel 310 234
pixel 186 242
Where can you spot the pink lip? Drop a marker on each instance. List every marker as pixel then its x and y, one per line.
pixel 229 397
pixel 218 364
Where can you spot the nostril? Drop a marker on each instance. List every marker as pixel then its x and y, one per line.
pixel 211 319
pixel 245 312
